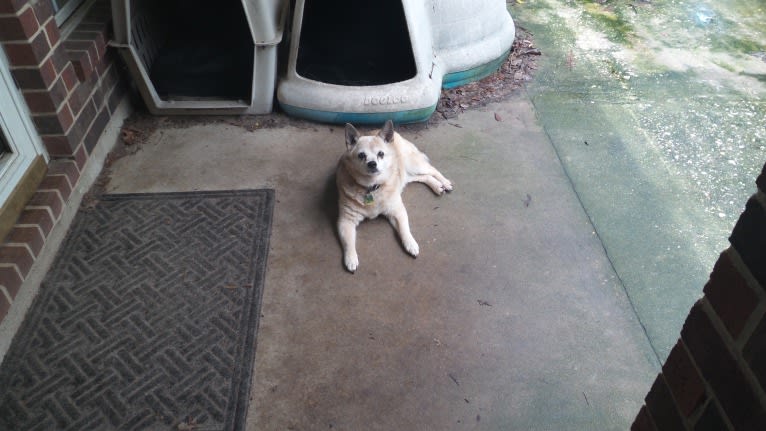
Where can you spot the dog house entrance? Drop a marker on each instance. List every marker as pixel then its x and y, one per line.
pixel 196 50
pixel 352 42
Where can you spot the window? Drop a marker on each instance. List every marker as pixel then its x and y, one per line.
pixel 21 147
pixel 3 145
pixel 65 8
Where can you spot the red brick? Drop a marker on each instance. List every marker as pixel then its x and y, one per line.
pixel 82 54
pixel 82 65
pixel 116 97
pixel 48 72
pixel 60 58
pixel 58 145
pixel 43 10
pixel 19 256
pixel 101 46
pixel 20 54
pixel 28 53
pixel 96 129
pixel 36 217
pixel 711 419
pixel 684 382
pixel 11 279
pixel 660 405
pixel 39 102
pixel 730 296
pixel 733 390
pixel 107 60
pixel 749 239
pixel 29 236
pixel 80 96
pixel 755 352
pixel 12 6
pixel 83 122
pixel 54 124
pixel 643 421
pixel 58 92
pixel 58 183
pixel 761 181
pixel 65 167
pixel 80 157
pixel 70 77
pixel 75 47
pixel 20 28
pixel 47 199
pixel 66 117
pixel 52 30
pixel 29 78
pixel 48 124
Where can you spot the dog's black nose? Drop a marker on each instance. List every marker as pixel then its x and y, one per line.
pixel 372 164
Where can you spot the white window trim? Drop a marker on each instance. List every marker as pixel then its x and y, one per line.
pixel 22 138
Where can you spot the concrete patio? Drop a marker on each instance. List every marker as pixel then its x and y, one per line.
pixel 588 210
pixel 512 315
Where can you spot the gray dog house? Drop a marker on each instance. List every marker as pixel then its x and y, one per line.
pixel 366 62
pixel 196 56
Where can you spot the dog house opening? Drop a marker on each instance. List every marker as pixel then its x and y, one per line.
pixel 196 50
pixel 352 42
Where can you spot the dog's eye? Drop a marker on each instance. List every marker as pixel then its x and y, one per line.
pixel 380 154
pixel 362 156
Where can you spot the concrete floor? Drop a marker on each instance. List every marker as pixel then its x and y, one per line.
pixel 512 317
pixel 555 277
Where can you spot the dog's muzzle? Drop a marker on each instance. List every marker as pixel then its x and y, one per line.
pixel 372 166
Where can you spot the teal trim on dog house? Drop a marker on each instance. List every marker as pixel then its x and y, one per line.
pixel 369 118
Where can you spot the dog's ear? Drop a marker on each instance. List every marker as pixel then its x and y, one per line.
pixel 352 135
pixel 387 132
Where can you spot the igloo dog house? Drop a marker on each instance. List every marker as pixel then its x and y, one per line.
pixel 366 62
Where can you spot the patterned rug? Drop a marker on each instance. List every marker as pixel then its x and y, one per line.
pixel 147 319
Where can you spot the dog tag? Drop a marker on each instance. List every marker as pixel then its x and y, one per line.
pixel 369 199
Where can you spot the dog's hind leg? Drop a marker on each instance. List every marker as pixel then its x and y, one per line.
pixel 421 170
pixel 433 182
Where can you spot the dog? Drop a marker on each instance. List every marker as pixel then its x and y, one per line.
pixel 371 176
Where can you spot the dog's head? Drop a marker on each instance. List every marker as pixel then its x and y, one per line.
pixel 370 155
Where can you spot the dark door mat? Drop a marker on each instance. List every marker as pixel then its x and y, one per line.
pixel 147 319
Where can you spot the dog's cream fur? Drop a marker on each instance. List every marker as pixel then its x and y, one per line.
pixel 371 176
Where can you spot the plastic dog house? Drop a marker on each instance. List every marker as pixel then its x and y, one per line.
pixel 366 62
pixel 196 56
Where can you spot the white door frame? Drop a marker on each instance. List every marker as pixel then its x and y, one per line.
pixel 20 134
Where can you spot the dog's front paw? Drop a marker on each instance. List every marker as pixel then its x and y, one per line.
pixel 447 186
pixel 412 247
pixel 351 261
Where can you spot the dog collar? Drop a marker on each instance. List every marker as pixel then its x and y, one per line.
pixel 369 199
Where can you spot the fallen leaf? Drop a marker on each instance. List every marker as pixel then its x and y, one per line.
pixel 498 117
pixel 528 200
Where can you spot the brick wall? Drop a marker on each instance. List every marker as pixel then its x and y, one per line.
pixel 714 378
pixel 72 87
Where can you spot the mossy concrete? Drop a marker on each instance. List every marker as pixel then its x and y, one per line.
pixel 656 111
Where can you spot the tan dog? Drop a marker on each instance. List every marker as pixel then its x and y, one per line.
pixel 371 176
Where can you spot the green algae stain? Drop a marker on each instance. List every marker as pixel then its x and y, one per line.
pixel 611 19
pixel 730 43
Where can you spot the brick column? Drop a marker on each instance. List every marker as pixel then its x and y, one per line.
pixel 72 87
